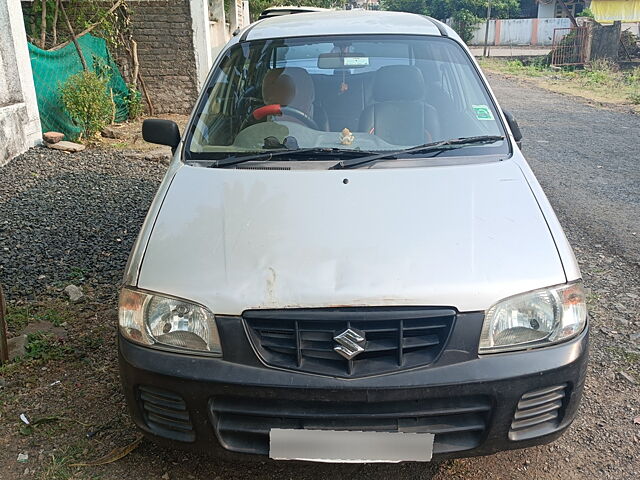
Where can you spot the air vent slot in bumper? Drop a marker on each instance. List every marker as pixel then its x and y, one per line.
pixel 165 414
pixel 539 412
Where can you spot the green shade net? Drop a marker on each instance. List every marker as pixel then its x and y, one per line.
pixel 51 69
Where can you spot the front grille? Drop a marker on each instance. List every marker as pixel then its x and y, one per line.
pixel 166 414
pixel 396 338
pixel 243 424
pixel 538 413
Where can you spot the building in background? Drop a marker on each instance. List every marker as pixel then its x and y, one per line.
pixel 554 8
pixel 224 22
pixel 19 119
pixel 608 11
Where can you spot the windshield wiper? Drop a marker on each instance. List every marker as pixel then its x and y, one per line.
pixel 426 148
pixel 234 160
pixel 266 156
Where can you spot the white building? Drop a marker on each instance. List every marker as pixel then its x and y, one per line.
pixel 19 119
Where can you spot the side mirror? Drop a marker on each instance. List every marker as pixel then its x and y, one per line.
pixel 162 132
pixel 515 128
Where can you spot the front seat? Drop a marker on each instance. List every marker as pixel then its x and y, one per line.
pixel 399 114
pixel 293 87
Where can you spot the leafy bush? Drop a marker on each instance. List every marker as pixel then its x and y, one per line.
pixel 86 98
pixel 465 24
pixel 587 13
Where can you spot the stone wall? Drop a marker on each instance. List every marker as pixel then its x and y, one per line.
pixel 163 30
pixel 19 120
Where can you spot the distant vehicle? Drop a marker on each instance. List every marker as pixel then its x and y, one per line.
pixel 279 11
pixel 349 258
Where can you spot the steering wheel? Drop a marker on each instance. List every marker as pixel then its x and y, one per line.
pixel 299 115
pixel 275 109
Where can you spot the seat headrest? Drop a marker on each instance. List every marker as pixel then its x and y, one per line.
pixel 290 86
pixel 398 83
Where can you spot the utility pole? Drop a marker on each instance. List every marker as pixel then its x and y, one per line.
pixel 485 53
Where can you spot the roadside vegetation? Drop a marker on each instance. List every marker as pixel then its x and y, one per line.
pixel 601 81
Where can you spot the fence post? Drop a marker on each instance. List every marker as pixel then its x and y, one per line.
pixel 4 348
pixel 486 31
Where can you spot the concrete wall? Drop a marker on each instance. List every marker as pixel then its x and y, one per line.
pixel 174 50
pixel 19 120
pixel 605 41
pixel 520 31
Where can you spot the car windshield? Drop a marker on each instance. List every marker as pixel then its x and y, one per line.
pixel 343 93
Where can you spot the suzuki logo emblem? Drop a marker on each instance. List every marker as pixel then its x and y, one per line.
pixel 351 343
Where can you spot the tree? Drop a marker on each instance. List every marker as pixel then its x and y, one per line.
pixel 257 6
pixel 412 6
pixel 466 14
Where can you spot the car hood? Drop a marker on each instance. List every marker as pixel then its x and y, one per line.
pixel 464 236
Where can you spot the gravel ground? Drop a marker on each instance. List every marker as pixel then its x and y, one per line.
pixel 70 218
pixel 67 219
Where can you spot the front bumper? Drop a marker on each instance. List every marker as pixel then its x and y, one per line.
pixel 474 407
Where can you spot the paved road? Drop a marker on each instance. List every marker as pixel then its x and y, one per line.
pixel 587 160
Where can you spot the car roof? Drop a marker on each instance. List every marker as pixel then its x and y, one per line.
pixel 344 22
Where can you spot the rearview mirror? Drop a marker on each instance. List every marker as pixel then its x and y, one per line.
pixel 337 61
pixel 162 132
pixel 515 128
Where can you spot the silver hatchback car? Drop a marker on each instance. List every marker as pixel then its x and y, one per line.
pixel 349 258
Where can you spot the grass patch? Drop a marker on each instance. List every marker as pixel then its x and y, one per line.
pixel 19 316
pixel 77 274
pixel 45 347
pixel 601 80
pixel 58 467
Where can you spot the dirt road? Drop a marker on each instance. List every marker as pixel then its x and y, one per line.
pixel 586 159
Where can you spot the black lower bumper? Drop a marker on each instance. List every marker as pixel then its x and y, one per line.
pixel 475 407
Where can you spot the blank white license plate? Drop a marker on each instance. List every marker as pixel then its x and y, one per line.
pixel 349 446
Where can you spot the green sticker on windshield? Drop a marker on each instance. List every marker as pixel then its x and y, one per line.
pixel 483 112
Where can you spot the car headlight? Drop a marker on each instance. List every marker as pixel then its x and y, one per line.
pixel 534 319
pixel 158 320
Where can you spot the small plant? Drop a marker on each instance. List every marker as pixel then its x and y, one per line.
pixel 43 346
pixel 134 102
pixel 18 317
pixel 634 97
pixel 86 98
pixel 633 77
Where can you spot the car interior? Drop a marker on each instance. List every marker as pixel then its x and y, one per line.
pixel 400 100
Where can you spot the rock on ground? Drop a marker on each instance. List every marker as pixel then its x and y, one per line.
pixel 74 293
pixel 66 146
pixel 17 347
pixel 53 137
